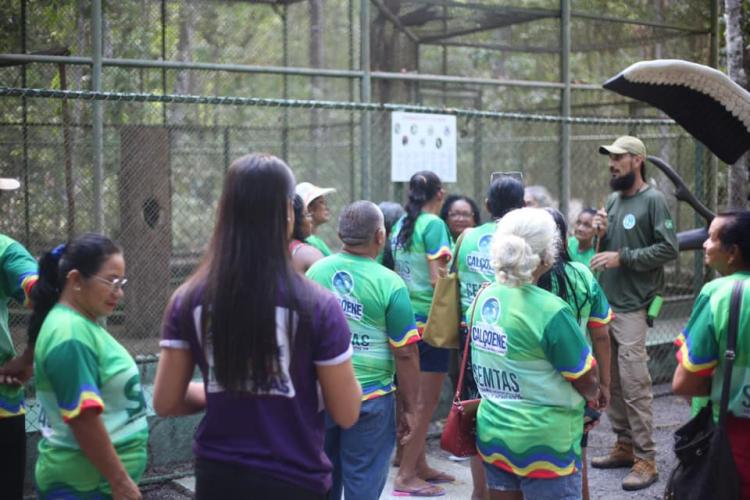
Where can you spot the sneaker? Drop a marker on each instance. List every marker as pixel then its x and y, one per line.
pixel 620 456
pixel 642 475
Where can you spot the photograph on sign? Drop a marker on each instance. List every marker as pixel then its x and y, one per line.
pixel 422 141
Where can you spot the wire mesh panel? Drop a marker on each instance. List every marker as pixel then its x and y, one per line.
pixel 164 155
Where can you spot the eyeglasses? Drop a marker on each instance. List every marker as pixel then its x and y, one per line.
pixel 117 284
pixel 460 215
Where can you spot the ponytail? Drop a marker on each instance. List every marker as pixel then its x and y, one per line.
pixel 86 254
pixel 46 291
pixel 423 187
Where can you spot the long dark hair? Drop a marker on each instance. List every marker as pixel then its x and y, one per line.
pixel 556 280
pixel 736 231
pixel 243 270
pixel 453 198
pixel 299 217
pixel 86 254
pixel 423 186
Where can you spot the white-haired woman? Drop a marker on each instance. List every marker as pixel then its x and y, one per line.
pixel 532 366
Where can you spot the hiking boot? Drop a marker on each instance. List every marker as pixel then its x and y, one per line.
pixel 620 456
pixel 642 475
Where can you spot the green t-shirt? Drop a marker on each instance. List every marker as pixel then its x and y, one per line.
pixel 473 265
pixel 318 243
pixel 19 273
pixel 78 366
pixel 641 229
pixel 585 297
pixel 703 342
pixel 376 304
pixel 584 257
pixel 430 241
pixel 526 348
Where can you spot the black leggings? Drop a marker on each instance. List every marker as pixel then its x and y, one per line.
pixel 229 481
pixel 12 456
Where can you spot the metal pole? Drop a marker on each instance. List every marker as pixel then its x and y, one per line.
pixel 699 221
pixel 164 58
pixel 479 181
pixel 25 134
pixel 365 95
pixel 285 85
pixel 98 121
pixel 352 152
pixel 277 70
pixel 565 106
pixel 712 194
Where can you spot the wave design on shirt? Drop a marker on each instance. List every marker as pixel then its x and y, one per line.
pixel 574 372
pixel 692 363
pixel 376 391
pixel 28 280
pixel 537 462
pixel 443 251
pixel 88 397
pixel 596 321
pixel 408 336
pixel 12 408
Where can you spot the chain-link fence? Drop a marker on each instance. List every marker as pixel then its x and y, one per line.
pixel 153 179
pixel 160 184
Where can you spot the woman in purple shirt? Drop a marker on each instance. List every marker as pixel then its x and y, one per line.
pixel 273 348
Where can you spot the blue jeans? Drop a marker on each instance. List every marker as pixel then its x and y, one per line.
pixel 559 488
pixel 360 454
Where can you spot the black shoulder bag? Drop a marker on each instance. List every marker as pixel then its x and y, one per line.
pixel 705 465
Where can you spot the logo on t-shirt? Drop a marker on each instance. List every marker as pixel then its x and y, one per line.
pixel 343 285
pixel 343 282
pixel 479 262
pixel 668 224
pixel 490 310
pixel 628 222
pixel 484 243
pixel 485 334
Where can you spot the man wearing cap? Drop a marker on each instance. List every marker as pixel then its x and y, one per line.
pixel 314 198
pixel 637 239
pixel 18 274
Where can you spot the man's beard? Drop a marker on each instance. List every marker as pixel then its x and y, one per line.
pixel 622 183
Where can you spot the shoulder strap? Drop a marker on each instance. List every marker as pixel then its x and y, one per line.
pixel 460 382
pixel 734 320
pixel 454 263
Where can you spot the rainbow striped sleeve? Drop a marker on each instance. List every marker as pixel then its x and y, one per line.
pixel 575 372
pixel 408 336
pixel 599 321
pixel 88 398
pixel 443 251
pixel 27 282
pixel 689 360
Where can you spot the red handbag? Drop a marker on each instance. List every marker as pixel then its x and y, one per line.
pixel 460 431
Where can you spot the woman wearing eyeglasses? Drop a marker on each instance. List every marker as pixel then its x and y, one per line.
pixel 459 213
pixel 94 413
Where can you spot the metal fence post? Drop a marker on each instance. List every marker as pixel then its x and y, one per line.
pixel 365 96
pixel 98 118
pixel 565 106
pixel 700 153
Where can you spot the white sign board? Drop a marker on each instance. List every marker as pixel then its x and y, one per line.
pixel 422 142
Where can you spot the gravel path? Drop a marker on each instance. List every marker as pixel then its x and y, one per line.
pixel 669 413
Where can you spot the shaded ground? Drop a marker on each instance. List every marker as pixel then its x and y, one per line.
pixel 669 413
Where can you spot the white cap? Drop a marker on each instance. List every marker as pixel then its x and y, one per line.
pixel 7 184
pixel 308 192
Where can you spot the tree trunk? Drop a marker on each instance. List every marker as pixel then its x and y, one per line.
pixel 184 82
pixel 737 181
